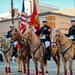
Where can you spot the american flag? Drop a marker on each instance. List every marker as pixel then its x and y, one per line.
pixel 23 20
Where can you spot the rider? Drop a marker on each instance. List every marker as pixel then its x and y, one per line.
pixel 72 30
pixel 9 35
pixel 45 37
pixel 9 32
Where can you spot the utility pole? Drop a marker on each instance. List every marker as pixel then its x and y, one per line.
pixel 12 12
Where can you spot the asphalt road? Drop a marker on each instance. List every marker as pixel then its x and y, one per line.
pixel 52 68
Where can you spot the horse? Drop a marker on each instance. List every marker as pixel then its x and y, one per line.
pixel 6 47
pixel 66 48
pixel 38 51
pixel 24 49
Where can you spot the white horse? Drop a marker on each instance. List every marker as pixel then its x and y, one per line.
pixel 7 50
pixel 66 48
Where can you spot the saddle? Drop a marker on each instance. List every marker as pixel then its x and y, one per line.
pixel 53 49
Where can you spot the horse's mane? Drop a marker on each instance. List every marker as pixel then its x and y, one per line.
pixel 34 38
pixel 35 35
pixel 61 34
pixel 4 39
pixel 6 42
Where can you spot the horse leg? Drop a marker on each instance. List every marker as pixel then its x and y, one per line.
pixel 5 61
pixel 57 61
pixel 42 66
pixel 70 67
pixel 36 65
pixel 28 65
pixel 46 66
pixel 19 64
pixel 65 68
pixel 58 64
pixel 24 66
pixel 8 64
pixel 6 70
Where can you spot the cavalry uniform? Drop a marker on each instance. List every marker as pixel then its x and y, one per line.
pixel 72 30
pixel 45 37
pixel 9 35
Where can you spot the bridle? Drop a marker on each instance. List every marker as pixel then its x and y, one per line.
pixel 62 52
pixel 26 47
pixel 33 52
pixel 5 52
pixel 30 35
pixel 7 49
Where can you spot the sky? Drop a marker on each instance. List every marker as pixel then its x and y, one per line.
pixel 5 5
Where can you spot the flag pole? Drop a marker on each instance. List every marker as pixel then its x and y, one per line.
pixel 30 7
pixel 12 12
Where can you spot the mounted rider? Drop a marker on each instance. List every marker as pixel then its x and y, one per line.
pixel 9 35
pixel 44 32
pixel 71 33
pixel 10 32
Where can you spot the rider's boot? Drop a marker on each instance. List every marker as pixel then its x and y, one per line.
pixel 48 54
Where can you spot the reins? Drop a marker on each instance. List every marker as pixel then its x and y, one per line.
pixel 26 47
pixel 64 51
pixel 33 52
pixel 5 52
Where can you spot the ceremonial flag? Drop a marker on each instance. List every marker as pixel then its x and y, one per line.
pixel 34 21
pixel 23 23
pixel 23 20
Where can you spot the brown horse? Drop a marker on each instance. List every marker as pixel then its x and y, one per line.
pixel 66 49
pixel 7 50
pixel 24 49
pixel 38 51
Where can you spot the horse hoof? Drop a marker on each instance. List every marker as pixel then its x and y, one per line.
pixel 47 72
pixel 8 73
pixel 40 72
pixel 19 71
pixel 58 74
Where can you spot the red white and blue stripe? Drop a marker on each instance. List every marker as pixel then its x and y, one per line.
pixel 23 20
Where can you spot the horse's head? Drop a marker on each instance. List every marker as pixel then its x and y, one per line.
pixel 28 34
pixel 55 36
pixel 16 35
pixel 2 41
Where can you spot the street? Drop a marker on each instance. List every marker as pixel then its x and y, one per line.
pixel 52 68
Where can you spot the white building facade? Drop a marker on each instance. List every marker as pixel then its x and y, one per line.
pixel 41 7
